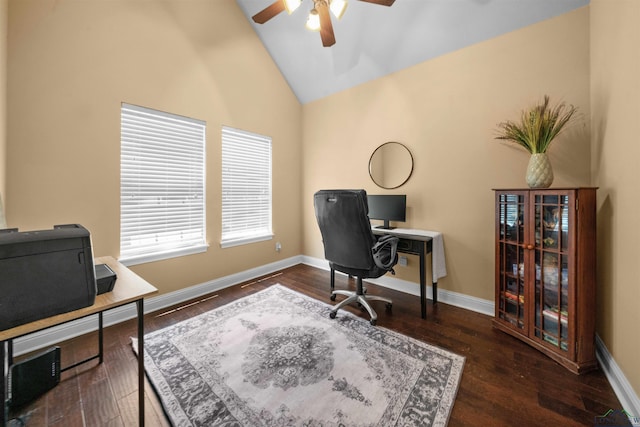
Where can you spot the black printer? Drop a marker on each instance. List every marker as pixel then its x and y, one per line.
pixel 44 273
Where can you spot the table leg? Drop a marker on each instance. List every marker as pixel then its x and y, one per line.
pixel 100 339
pixel 435 292
pixel 10 353
pixel 423 285
pixel 4 368
pixel 434 288
pixel 139 306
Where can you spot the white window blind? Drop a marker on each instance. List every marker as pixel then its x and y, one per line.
pixel 162 204
pixel 246 187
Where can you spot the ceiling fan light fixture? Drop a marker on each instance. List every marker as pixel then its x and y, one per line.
pixel 291 5
pixel 338 7
pixel 313 21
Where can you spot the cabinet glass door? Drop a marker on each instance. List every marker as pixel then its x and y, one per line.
pixel 552 235
pixel 511 270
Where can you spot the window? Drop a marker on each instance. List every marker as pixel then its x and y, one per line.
pixel 162 205
pixel 246 187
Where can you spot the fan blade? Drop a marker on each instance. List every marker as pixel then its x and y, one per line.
pixel 269 12
pixel 380 2
pixel 326 27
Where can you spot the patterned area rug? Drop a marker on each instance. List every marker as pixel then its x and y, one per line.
pixel 275 358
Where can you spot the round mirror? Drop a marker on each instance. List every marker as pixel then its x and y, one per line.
pixel 391 165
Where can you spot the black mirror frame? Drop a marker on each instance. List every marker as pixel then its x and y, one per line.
pixel 374 153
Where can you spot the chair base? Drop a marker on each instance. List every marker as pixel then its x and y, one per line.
pixel 361 298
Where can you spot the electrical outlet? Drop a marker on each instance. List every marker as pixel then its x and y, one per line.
pixel 402 260
pixel 278 246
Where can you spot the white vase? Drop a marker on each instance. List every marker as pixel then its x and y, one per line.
pixel 539 172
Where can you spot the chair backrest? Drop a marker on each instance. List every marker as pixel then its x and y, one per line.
pixel 345 227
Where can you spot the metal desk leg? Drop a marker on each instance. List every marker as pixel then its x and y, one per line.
pixel 100 339
pixel 99 356
pixel 4 368
pixel 434 289
pixel 10 353
pixel 423 285
pixel 139 307
pixel 435 292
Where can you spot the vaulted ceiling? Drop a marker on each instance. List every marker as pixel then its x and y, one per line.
pixel 373 41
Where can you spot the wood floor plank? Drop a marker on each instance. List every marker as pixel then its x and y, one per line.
pixel 505 382
pixel 121 377
pixel 129 411
pixel 64 399
pixel 98 402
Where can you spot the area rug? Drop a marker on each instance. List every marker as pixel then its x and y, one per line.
pixel 275 358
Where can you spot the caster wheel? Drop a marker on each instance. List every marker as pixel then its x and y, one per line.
pixel 373 322
pixel 388 306
pixel 332 314
pixel 332 297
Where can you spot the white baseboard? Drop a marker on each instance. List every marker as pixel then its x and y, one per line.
pixel 467 302
pixel 621 386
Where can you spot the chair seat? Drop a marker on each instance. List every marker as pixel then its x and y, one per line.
pixel 373 273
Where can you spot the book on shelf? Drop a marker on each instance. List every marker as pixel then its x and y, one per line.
pixel 513 297
pixel 555 315
pixel 554 341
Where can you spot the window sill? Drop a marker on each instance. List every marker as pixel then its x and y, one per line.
pixel 142 259
pixel 245 240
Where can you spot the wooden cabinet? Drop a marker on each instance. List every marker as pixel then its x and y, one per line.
pixel 545 271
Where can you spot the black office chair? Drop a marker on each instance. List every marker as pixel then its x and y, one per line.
pixel 351 247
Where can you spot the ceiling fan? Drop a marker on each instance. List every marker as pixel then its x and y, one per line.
pixel 319 17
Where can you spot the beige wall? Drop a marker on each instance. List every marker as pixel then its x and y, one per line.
pixel 70 65
pixel 445 111
pixel 615 105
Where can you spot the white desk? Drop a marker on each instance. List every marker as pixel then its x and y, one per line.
pixel 421 242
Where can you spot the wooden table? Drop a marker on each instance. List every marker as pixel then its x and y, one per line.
pixel 129 288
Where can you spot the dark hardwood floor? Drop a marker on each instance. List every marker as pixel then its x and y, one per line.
pixel 504 382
